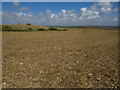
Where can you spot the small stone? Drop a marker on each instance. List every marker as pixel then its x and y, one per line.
pixel 41 71
pixel 57 77
pixel 4 83
pixel 90 74
pixel 21 63
pixel 52 65
pixel 77 61
pixel 98 79
pixel 74 64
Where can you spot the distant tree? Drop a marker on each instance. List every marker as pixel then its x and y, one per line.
pixel 28 24
pixel 30 29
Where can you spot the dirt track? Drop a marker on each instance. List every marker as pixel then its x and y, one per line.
pixel 60 59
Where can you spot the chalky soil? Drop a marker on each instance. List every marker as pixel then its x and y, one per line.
pixel 65 59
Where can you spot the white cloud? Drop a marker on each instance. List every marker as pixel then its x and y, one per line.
pixel 48 11
pixel 83 9
pixel 53 16
pixel 23 9
pixel 21 14
pixel 16 4
pixel 116 19
pixel 104 8
pixel 88 14
pixel 63 11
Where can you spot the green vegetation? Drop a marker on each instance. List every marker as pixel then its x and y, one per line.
pixel 29 29
pixel 62 30
pixel 90 27
pixel 41 29
pixel 53 29
pixel 6 28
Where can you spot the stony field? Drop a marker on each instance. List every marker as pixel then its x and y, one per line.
pixel 79 58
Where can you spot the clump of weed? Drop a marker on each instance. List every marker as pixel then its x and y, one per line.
pixel 29 29
pixel 41 29
pixel 53 29
pixel 64 29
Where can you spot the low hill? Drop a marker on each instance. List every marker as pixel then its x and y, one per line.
pixel 90 27
pixel 29 27
pixel 22 27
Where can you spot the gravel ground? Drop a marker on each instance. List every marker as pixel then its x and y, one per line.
pixel 60 59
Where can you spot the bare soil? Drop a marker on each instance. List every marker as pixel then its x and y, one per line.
pixel 60 59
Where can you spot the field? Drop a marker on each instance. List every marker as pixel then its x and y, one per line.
pixel 78 58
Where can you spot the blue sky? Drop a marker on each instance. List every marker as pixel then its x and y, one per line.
pixel 43 6
pixel 60 13
pixel 61 0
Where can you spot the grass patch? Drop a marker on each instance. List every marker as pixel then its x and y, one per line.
pixel 16 30
pixel 55 29
pixel 62 30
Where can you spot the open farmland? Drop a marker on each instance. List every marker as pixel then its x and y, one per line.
pixel 79 58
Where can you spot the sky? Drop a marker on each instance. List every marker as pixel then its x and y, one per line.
pixel 61 13
pixel 62 0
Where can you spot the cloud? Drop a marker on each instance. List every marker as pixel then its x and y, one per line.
pixel 105 4
pixel 88 14
pixel 104 8
pixel 63 11
pixel 21 14
pixel 16 4
pixel 23 9
pixel 115 9
pixel 15 18
pixel 83 9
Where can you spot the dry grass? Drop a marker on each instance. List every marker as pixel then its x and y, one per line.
pixel 23 27
pixel 79 59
